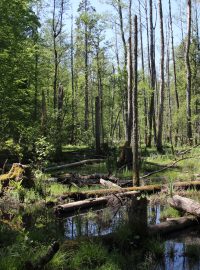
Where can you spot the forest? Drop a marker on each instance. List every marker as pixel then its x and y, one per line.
pixel 99 134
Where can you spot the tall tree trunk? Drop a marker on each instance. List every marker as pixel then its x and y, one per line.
pixel 188 73
pixel 86 75
pixel 136 178
pixel 97 124
pixel 57 24
pixel 119 4
pixel 143 78
pixel 162 82
pixel 152 61
pixel 72 83
pixel 173 56
pixel 44 114
pixel 130 77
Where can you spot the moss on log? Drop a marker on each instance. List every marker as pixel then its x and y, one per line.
pixel 17 173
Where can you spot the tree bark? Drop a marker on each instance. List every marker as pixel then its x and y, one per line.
pixel 97 125
pixel 130 77
pixel 185 204
pixel 136 178
pixel 79 205
pixel 108 184
pixel 86 75
pixel 172 225
pixel 152 61
pixel 188 73
pixel 162 83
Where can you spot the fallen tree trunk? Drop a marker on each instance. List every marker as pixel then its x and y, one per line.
pixel 81 195
pixel 53 249
pixel 185 204
pixel 172 225
pixel 102 201
pixel 149 189
pixel 109 184
pixel 74 164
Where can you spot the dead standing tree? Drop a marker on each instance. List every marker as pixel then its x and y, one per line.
pixel 188 72
pixel 162 83
pixel 136 178
pixel 57 25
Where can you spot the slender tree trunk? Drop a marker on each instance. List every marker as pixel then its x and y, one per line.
pixel 130 77
pixel 86 124
pixel 147 28
pixel 162 83
pixel 143 78
pixel 44 114
pixel 72 83
pixel 173 56
pixel 169 92
pixel 36 86
pixel 152 61
pixel 57 25
pixel 97 124
pixel 188 73
pixel 119 4
pixel 136 178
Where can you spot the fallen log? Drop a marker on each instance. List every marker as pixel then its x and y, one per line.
pixel 108 184
pixel 53 249
pixel 148 189
pixel 172 225
pixel 81 195
pixel 89 203
pixel 185 204
pixel 74 164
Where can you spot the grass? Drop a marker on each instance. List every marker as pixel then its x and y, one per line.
pixel 169 212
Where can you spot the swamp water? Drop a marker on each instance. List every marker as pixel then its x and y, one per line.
pixel 181 251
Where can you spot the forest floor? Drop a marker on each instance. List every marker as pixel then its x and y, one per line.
pixel 29 224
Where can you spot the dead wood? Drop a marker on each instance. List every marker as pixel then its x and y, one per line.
pixel 53 249
pixel 17 173
pixel 172 225
pixel 181 153
pixel 74 164
pixel 184 204
pixel 90 203
pixel 148 189
pixel 109 184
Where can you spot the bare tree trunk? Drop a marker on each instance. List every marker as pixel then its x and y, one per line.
pixel 188 73
pixel 161 97
pixel 44 114
pixel 86 76
pixel 59 121
pixel 130 77
pixel 143 78
pixel 152 61
pixel 169 93
pixel 57 25
pixel 119 4
pixel 72 83
pixel 97 125
pixel 173 56
pixel 136 177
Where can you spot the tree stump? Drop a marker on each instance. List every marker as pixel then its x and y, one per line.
pixel 17 173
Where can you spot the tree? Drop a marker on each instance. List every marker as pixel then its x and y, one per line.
pixel 162 82
pixel 188 72
pixel 136 178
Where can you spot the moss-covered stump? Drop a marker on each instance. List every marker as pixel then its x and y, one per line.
pixel 17 173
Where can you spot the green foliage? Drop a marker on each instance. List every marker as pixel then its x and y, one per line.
pixel 89 256
pixel 44 150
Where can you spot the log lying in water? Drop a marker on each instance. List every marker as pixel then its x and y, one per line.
pixel 53 249
pixel 81 195
pixel 185 204
pixel 102 201
pixel 172 225
pixel 108 184
pixel 74 164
